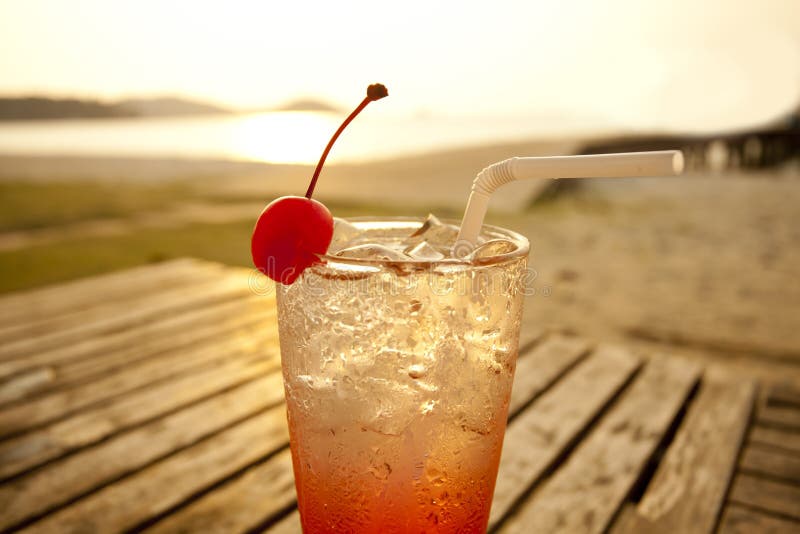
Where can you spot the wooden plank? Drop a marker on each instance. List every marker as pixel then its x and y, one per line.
pixel 26 383
pixel 112 350
pixel 537 437
pixel 45 489
pixel 741 520
pixel 288 525
pixel 106 305
pixel 543 365
pixel 781 439
pixel 226 287
pixel 768 495
pixel 23 306
pixel 783 395
pixel 688 489
pixel 169 483
pixel 63 295
pixel 29 450
pixel 247 502
pixel 586 492
pixel 213 322
pixel 529 337
pixel 146 373
pixel 787 417
pixel 770 462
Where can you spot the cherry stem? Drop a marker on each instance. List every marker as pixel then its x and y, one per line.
pixel 347 121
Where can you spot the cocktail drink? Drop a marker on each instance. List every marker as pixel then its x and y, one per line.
pixel 398 346
pixel 398 370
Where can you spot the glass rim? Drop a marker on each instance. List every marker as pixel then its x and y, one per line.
pixel 521 242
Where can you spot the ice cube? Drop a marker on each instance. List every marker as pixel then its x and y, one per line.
pixel 315 400
pixel 435 232
pixel 343 234
pixel 423 251
pixel 432 221
pixel 494 247
pixel 371 252
pixel 385 406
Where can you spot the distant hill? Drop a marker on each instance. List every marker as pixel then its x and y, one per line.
pixel 40 108
pixel 307 104
pixel 169 106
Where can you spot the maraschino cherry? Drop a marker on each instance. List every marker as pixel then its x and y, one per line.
pixel 292 231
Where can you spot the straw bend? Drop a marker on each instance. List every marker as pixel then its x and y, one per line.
pixel 495 175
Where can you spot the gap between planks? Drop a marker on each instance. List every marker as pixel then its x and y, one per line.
pixel 68 297
pixel 108 302
pixel 584 494
pixel 94 467
pixel 742 520
pixel 115 350
pixel 689 487
pixel 33 449
pixel 768 495
pixel 772 463
pixel 542 434
pixel 136 376
pixel 782 440
pixel 227 287
pixel 140 497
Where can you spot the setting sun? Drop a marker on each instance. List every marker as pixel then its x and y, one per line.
pixel 283 137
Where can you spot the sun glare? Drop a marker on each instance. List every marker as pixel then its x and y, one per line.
pixel 282 137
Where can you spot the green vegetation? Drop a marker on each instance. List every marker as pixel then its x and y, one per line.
pixel 35 108
pixel 66 260
pixel 32 205
pixel 28 205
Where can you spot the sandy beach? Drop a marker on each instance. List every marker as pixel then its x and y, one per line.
pixel 703 265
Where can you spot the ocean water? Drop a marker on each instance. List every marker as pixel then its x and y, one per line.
pixel 276 137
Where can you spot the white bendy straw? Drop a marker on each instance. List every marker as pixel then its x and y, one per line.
pixel 625 165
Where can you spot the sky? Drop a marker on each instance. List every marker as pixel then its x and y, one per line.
pixel 687 65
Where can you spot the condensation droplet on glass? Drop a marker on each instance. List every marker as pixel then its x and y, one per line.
pixel 495 367
pixel 436 477
pixel 381 471
pixel 417 371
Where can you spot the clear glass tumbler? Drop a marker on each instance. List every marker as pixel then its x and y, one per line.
pixel 397 377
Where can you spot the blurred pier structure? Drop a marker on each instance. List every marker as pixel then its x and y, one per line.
pixel 772 146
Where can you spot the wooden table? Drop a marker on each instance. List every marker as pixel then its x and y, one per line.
pixel 152 399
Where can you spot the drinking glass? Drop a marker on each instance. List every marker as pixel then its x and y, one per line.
pixel 397 377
